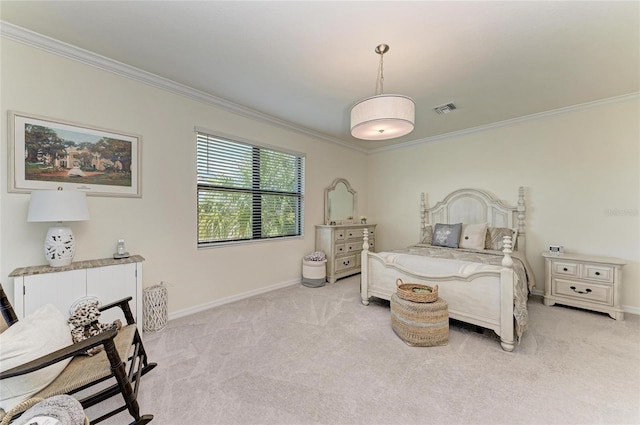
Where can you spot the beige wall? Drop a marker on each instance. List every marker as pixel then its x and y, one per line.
pixel 577 168
pixel 580 170
pixel 161 226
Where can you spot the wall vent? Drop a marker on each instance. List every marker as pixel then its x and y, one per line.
pixel 445 109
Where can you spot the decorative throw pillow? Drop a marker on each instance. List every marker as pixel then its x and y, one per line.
pixel 473 236
pixel 427 236
pixel 495 237
pixel 38 334
pixel 447 235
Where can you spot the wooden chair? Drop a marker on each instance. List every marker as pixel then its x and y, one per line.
pixel 83 373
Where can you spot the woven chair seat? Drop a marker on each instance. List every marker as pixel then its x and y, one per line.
pixel 84 370
pixel 114 371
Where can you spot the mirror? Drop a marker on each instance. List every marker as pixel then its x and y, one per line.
pixel 339 202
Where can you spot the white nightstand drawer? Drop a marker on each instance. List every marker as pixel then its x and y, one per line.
pixel 599 273
pixel 340 249
pixel 583 291
pixel 565 268
pixel 345 263
pixel 340 234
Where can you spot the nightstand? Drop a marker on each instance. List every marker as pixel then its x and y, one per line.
pixel 584 281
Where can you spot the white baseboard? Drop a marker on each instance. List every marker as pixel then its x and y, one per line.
pixel 537 292
pixel 202 307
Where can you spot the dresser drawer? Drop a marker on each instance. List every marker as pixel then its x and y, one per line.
pixel 565 268
pixel 340 234
pixel 344 263
pixel 340 249
pixel 597 273
pixel 355 233
pixel 583 291
pixel 354 246
pixel 372 233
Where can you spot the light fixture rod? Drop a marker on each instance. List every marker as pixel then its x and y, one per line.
pixel 381 49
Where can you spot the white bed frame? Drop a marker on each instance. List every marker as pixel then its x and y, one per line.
pixel 483 298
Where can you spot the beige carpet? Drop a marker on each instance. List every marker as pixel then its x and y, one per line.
pixel 318 356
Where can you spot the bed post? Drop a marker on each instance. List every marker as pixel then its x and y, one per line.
pixel 423 216
pixel 507 277
pixel 520 242
pixel 364 268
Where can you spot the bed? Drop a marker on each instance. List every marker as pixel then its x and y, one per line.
pixel 485 284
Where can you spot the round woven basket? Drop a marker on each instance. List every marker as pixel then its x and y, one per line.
pixel 420 324
pixel 416 292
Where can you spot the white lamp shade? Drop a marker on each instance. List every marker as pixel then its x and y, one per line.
pixel 58 205
pixel 382 117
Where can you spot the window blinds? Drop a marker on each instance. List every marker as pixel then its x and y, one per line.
pixel 247 192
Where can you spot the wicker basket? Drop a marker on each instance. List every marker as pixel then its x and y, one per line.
pixel 416 292
pixel 420 324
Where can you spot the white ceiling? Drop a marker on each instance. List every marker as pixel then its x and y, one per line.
pixel 308 62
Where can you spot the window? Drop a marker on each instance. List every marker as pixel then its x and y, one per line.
pixel 247 192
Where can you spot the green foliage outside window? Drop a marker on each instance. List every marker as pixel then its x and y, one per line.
pixel 247 192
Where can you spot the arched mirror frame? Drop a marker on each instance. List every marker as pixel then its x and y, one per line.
pixel 327 204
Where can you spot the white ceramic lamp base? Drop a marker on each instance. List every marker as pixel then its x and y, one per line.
pixel 59 246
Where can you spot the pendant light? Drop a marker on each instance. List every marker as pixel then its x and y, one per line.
pixel 383 116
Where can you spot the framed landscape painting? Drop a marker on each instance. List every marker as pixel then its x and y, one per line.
pixel 46 153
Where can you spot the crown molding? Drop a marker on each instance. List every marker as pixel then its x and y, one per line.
pixel 536 116
pixel 57 47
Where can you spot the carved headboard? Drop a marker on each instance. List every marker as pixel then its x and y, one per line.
pixel 473 206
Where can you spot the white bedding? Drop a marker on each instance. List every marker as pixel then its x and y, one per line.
pixel 436 266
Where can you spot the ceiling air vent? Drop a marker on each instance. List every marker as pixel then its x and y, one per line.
pixel 445 109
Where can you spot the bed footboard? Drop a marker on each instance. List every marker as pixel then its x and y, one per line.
pixel 483 298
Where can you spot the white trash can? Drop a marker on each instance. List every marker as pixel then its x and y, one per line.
pixel 314 273
pixel 154 304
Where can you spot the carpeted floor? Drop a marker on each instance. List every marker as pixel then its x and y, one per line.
pixel 318 356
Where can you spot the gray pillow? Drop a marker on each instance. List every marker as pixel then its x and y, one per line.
pixel 447 235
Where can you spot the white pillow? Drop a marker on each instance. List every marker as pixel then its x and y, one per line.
pixel 40 333
pixel 473 236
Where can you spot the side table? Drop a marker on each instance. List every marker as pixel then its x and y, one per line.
pixel 584 281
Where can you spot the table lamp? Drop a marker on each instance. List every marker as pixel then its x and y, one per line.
pixel 58 206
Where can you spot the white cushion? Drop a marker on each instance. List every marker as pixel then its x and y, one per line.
pixel 38 334
pixel 473 236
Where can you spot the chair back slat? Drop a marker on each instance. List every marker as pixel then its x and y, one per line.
pixel 6 309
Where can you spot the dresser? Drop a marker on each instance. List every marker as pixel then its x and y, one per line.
pixel 584 281
pixel 342 245
pixel 106 279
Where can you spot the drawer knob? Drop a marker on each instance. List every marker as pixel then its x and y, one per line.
pixel 586 291
pixel 597 273
pixel 565 269
pixel 346 263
